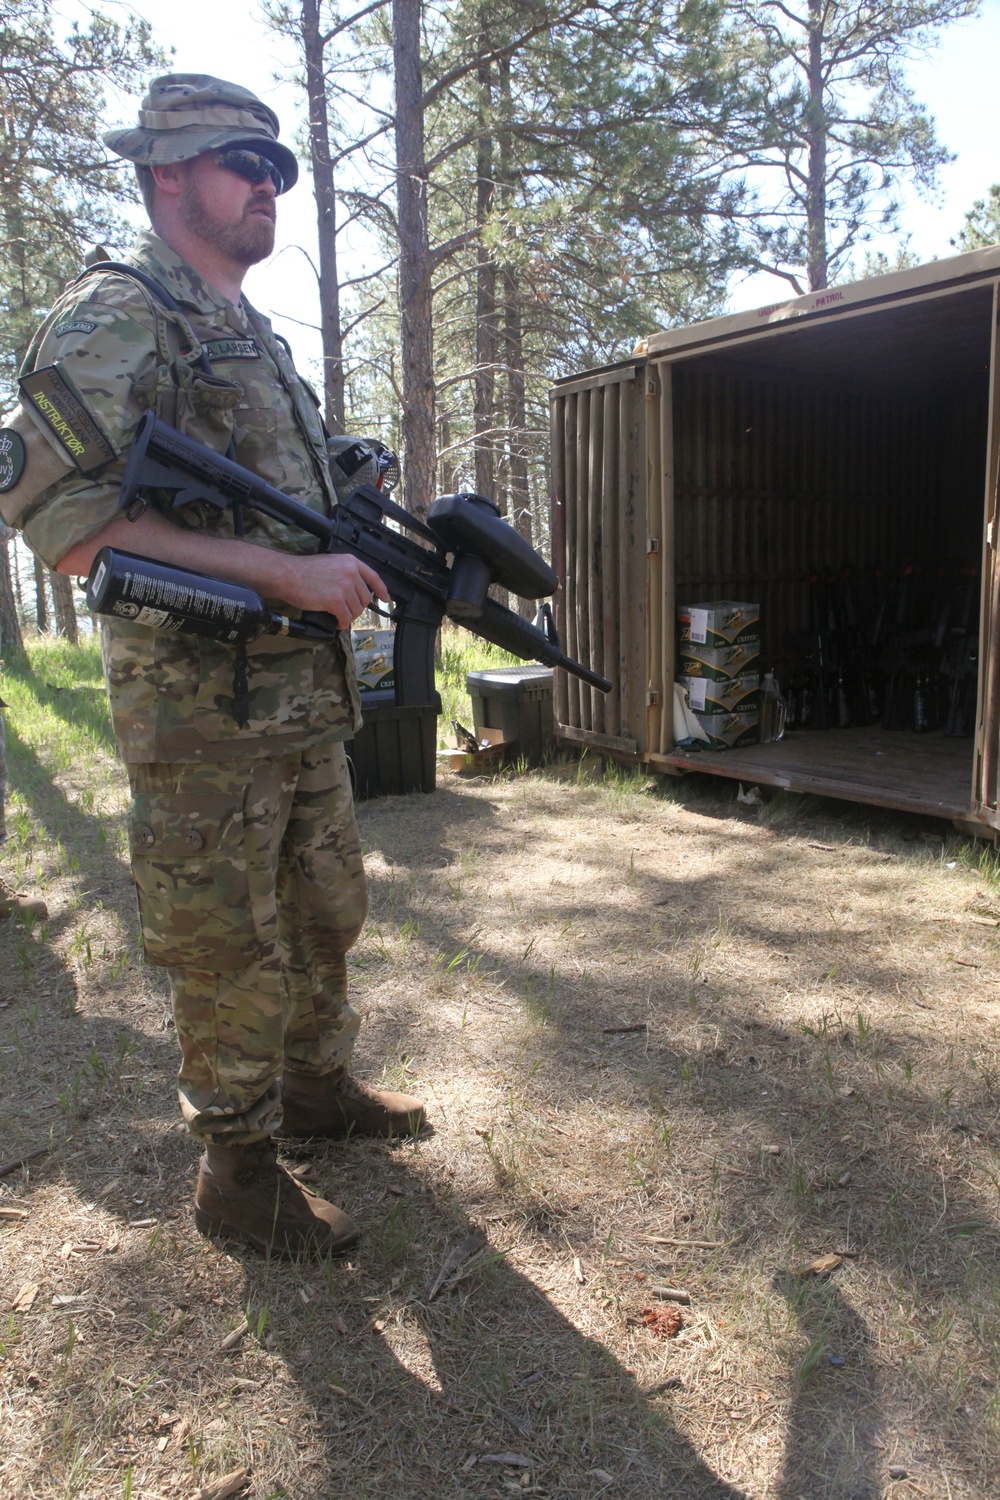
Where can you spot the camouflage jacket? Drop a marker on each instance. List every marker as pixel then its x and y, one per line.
pixel 171 695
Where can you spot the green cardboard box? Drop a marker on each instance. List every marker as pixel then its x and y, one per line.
pixel 733 695
pixel 723 622
pixel 730 731
pixel 719 663
pixel 373 659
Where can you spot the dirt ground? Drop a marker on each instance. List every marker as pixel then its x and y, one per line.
pixel 666 1040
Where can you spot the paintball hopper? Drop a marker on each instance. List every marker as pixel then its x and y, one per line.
pixel 486 550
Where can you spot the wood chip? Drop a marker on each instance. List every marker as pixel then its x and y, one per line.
pixel 25 1297
pixel 6 1167
pixel 161 1443
pixel 232 1339
pixel 625 1030
pixel 578 1270
pixel 14 1214
pixel 821 1266
pixel 222 1489
pixel 509 1460
pixel 671 1294
pixel 338 1390
pixel 473 1242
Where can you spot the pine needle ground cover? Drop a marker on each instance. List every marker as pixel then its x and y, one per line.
pixel 748 1056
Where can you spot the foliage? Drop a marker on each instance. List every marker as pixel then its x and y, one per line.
pixel 58 188
pixel 840 129
pixel 982 223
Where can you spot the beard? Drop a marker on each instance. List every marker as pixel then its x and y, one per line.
pixel 246 242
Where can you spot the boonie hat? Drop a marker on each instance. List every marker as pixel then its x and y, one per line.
pixel 186 114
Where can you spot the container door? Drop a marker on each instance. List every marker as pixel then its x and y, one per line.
pixel 598 504
pixel 987 758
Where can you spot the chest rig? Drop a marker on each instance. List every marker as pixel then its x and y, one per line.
pixel 186 393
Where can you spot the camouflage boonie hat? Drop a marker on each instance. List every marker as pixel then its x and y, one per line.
pixel 186 114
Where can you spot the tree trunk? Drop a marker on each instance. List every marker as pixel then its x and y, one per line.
pixel 11 638
pixel 415 262
pixel 41 601
pixel 816 132
pixel 519 505
pixel 65 606
pixel 483 411
pixel 326 216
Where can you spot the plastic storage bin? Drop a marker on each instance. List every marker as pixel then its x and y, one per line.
pixel 395 750
pixel 518 702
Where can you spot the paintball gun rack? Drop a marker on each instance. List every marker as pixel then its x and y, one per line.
pixel 423 585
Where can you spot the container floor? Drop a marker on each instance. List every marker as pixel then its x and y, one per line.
pixel 921 773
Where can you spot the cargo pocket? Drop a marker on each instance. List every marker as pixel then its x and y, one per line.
pixel 205 405
pixel 190 870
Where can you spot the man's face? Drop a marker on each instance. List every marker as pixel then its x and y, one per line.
pixel 227 211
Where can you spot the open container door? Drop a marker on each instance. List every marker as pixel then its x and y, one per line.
pixel 987 756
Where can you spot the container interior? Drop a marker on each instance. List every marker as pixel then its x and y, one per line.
pixel 816 469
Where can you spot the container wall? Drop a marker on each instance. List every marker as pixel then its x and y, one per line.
pixel 776 480
pixel 599 535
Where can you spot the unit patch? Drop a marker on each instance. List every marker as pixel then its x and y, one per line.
pixel 231 349
pixel 51 394
pixel 12 458
pixel 73 325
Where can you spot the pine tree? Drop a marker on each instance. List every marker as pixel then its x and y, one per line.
pixel 982 223
pixel 839 128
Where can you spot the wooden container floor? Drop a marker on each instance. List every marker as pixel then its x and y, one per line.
pixel 921 773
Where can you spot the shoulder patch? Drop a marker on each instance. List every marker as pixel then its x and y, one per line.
pixel 12 458
pixel 232 349
pixel 55 400
pixel 73 325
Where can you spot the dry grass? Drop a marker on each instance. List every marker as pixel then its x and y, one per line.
pixel 820 1072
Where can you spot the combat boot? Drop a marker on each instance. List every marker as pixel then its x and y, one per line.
pixel 336 1105
pixel 244 1194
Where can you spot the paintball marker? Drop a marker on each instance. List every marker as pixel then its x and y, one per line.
pixel 423 586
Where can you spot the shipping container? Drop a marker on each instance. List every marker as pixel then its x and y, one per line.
pixel 842 445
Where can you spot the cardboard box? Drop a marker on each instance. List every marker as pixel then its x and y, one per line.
pixel 719 663
pixel 734 695
pixel 373 659
pixel 723 622
pixel 730 731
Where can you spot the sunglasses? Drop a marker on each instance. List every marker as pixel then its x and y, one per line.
pixel 251 166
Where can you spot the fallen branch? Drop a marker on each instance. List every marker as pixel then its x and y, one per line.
pixel 663 1239
pixel 7 1167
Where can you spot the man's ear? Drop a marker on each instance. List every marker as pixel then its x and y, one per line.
pixel 169 177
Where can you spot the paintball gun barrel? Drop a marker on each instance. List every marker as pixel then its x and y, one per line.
pixel 424 586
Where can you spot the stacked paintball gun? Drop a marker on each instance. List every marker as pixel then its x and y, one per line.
pixel 423 585
pixel 901 652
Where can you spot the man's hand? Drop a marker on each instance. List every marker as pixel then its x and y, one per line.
pixel 335 583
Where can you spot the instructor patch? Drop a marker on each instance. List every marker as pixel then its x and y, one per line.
pixel 12 458
pixel 52 396
pixel 232 349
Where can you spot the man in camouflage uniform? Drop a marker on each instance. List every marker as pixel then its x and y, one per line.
pixel 244 848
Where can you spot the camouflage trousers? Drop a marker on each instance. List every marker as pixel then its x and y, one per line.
pixel 251 890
